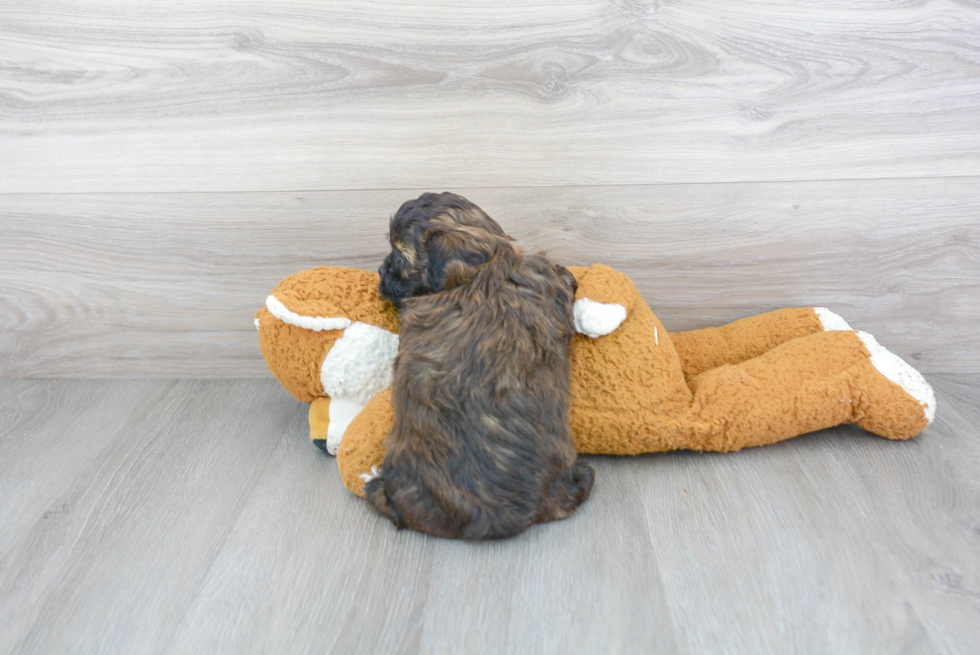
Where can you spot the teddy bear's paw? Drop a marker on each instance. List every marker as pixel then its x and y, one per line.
pixel 367 477
pixel 596 319
pixel 829 320
pixel 898 371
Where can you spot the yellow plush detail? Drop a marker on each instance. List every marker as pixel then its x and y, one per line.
pixel 319 418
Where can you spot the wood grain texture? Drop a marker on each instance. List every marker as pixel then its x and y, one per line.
pixel 216 95
pixel 47 431
pixel 201 520
pixel 563 588
pixel 133 525
pixel 166 285
pixel 842 541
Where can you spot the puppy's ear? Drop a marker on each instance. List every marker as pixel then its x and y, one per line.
pixel 567 279
pixel 565 297
pixel 455 254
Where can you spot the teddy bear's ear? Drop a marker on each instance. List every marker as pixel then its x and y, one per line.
pixel 333 293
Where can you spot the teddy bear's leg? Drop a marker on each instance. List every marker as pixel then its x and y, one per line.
pixel 807 384
pixel 708 348
pixel 363 445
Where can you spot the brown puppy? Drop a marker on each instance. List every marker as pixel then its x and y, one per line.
pixel 480 446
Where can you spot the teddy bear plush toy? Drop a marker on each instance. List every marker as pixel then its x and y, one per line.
pixel 331 341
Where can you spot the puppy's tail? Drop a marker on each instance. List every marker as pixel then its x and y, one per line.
pixel 376 494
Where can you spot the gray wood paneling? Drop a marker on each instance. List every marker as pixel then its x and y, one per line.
pixel 166 285
pixel 195 517
pixel 214 95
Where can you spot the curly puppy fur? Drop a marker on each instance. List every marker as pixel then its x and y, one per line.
pixel 480 447
pixel 406 271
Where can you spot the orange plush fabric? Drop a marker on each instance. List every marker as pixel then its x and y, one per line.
pixel 295 354
pixel 637 389
pixel 708 348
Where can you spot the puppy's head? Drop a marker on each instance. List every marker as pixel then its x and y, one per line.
pixel 438 241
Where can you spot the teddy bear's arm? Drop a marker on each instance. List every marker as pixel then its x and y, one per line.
pixel 603 300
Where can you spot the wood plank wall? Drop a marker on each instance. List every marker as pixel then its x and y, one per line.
pixel 162 165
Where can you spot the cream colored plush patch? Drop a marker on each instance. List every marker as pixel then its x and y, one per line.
pixel 342 412
pixel 357 367
pixel 829 320
pixel 898 371
pixel 360 363
pixel 315 323
pixel 596 319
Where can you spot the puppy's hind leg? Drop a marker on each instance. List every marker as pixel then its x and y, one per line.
pixel 571 489
pixel 376 494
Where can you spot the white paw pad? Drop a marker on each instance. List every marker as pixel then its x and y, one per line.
pixel 367 477
pixel 898 371
pixel 829 320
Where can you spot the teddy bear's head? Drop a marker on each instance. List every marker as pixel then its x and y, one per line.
pixel 326 332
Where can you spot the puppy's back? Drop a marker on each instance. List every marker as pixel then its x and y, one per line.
pixel 480 446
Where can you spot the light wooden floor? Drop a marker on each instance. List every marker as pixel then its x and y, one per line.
pixel 194 517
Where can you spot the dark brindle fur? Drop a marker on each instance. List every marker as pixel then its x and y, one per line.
pixel 480 446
